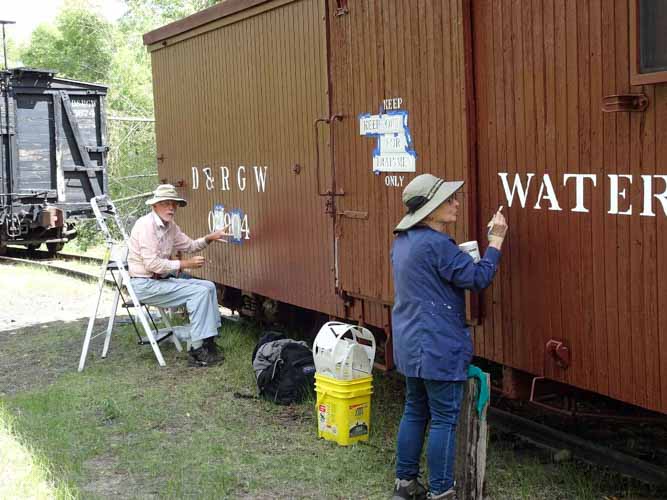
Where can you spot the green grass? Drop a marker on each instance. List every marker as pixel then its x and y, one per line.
pixel 22 473
pixel 126 428
pixel 73 247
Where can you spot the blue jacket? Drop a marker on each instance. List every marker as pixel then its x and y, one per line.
pixel 431 339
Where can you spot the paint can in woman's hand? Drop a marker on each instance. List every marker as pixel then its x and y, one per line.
pixel 472 249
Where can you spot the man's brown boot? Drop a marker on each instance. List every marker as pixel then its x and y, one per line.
pixel 201 358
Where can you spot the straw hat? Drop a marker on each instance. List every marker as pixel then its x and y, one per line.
pixel 166 192
pixel 422 195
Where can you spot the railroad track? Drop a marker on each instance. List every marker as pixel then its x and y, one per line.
pixel 57 263
pixel 41 255
pixel 549 438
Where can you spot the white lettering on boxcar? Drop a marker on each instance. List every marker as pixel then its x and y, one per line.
pixel 648 195
pixel 550 194
pixel 619 192
pixel 210 180
pixel 394 181
pixel 579 188
pixel 260 178
pixel 615 194
pixel 195 178
pixel 394 103
pixel 224 175
pixel 240 177
pixel 207 174
pixel 517 186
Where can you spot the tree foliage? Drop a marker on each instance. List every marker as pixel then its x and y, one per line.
pixel 81 45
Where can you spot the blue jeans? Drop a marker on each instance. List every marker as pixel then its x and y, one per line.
pixel 440 402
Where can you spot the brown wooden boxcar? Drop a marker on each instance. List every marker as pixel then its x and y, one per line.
pixel 302 120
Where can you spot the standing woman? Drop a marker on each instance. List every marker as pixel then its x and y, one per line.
pixel 432 345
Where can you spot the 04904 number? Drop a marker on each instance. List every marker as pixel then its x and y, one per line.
pixel 235 222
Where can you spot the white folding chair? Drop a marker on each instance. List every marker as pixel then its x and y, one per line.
pixel 114 267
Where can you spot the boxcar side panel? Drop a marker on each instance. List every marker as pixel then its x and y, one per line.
pixel 657 342
pixel 235 112
pixel 411 54
pixel 86 112
pixel 581 263
pixel 36 165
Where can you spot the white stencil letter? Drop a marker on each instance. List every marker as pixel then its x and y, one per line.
pixel 615 194
pixel 260 178
pixel 210 180
pixel 523 193
pixel 579 188
pixel 195 178
pixel 551 194
pixel 240 177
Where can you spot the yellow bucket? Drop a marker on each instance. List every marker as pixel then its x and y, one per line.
pixel 343 409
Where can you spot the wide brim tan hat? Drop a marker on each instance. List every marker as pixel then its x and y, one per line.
pixel 165 192
pixel 422 195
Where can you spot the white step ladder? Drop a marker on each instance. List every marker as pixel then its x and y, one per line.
pixel 114 264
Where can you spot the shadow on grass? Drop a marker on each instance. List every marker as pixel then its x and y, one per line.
pixel 126 428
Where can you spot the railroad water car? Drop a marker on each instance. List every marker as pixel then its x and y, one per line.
pixel 300 121
pixel 53 156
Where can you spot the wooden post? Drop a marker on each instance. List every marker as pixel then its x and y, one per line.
pixel 471 441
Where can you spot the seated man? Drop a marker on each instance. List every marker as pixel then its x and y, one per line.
pixel 154 238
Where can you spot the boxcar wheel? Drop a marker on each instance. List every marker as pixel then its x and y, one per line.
pixel 52 248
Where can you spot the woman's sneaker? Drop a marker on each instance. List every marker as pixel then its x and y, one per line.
pixel 408 489
pixel 201 357
pixel 450 494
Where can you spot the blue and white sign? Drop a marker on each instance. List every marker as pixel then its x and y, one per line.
pixel 235 222
pixel 393 152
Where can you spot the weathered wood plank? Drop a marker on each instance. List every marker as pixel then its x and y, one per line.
pixel 471 443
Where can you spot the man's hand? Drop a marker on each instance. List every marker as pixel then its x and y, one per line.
pixel 218 235
pixel 193 263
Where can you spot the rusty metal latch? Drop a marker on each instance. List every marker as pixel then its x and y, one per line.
pixel 353 214
pixel 624 103
pixel 559 351
pixel 341 8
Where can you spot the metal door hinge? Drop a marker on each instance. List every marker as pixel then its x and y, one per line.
pixel 329 207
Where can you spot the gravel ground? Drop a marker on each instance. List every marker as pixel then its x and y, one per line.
pixel 32 296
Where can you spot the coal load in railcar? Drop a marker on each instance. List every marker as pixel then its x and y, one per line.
pixel 53 156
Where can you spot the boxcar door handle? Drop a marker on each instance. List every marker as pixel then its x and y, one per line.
pixel 624 102
pixel 332 118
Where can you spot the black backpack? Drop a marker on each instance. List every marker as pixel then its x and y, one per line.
pixel 268 336
pixel 291 377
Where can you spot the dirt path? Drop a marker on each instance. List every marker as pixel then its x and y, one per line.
pixel 30 297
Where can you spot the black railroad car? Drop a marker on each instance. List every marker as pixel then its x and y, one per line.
pixel 53 156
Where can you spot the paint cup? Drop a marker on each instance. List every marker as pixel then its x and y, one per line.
pixel 472 249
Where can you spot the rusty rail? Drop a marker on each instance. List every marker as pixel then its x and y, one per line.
pixel 549 438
